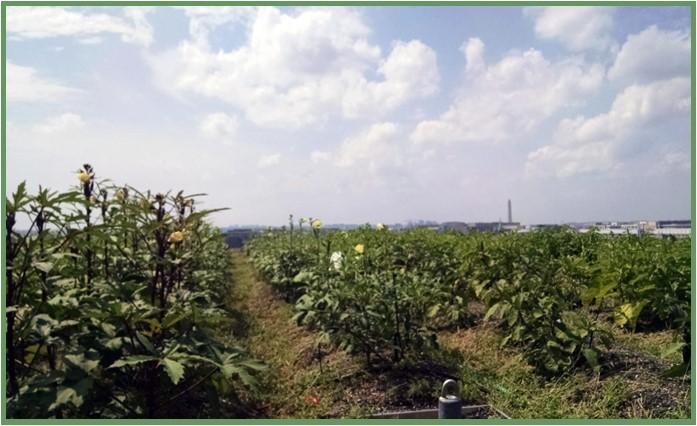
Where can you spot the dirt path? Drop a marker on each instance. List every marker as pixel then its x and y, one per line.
pixel 295 384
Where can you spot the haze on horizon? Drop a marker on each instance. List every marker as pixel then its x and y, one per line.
pixel 364 114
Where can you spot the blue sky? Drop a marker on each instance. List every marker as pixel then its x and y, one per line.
pixel 374 114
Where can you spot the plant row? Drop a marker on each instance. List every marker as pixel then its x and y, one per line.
pixel 553 293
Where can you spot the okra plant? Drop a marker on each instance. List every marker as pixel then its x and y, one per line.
pixel 114 303
pixel 384 294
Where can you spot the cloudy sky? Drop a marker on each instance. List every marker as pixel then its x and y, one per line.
pixel 379 114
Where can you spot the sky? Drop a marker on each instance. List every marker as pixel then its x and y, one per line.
pixel 360 114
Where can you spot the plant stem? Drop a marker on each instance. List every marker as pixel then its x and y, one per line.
pixel 10 302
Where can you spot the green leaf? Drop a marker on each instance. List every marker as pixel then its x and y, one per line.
pixel 574 324
pixel 31 352
pixel 246 378
pixel 629 313
pixel 109 329
pixel 200 358
pixel 433 311
pixel 671 349
pixel 479 288
pixel 173 318
pixel 132 360
pixel 491 311
pixel 43 266
pixel 554 345
pixel 512 317
pixel 18 197
pixel 254 365
pixel 505 340
pixel 79 361
pixel 64 396
pixel 146 343
pixel 591 356
pixel 74 395
pixel 303 277
pixel 561 335
pixel 114 344
pixel 174 369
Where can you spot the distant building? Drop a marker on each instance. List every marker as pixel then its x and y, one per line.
pixel 674 224
pixel 541 226
pixel 673 228
pixel 511 226
pixel 673 232
pixel 454 226
pixel 647 227
pixel 465 227
pixel 494 226
pixel 659 229
pixel 618 231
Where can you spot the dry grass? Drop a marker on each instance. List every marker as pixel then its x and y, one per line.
pixel 654 343
pixel 503 378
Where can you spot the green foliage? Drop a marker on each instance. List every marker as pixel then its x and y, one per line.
pixel 534 283
pixel 113 299
pixel 378 293
pixel 384 293
pixel 650 281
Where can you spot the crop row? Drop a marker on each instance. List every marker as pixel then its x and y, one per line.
pixel 385 294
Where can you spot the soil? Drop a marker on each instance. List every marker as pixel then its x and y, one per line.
pixel 645 378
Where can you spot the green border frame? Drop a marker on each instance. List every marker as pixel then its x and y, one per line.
pixel 3 144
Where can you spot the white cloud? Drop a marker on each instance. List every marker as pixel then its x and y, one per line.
pixel 25 22
pixel 318 157
pixel 576 27
pixel 653 54
pixel 269 160
pixel 142 32
pixel 25 85
pixel 300 68
pixel 508 99
pixel 598 144
pixel 220 126
pixel 61 123
pixel 410 71
pixel 371 148
pixel 374 158
pixel 555 160
pixel 474 55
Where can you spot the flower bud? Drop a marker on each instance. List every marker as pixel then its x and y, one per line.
pixel 85 177
pixel 176 237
